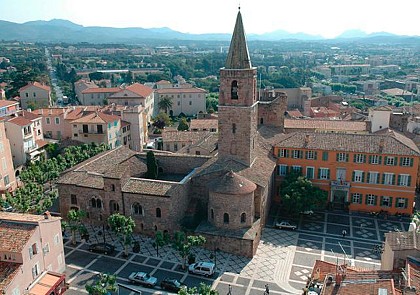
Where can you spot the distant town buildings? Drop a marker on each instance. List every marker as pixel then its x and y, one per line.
pixel 35 95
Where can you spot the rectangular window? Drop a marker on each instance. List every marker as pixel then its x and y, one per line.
pixel 297 168
pixel 56 239
pixel 190 102
pixel 388 179
pixel 297 154
pixel 323 173
pixel 390 161
pixel 179 103
pixel 324 156
pixel 73 199
pixel 311 155
pixel 406 161
pixel 6 180
pixel 283 153
pixel 386 201
pixel 401 203
pixel 310 172
pixel 175 147
pixel 35 271
pixel 356 198
pixel 48 120
pixel 358 176
pixel 373 177
pixel 375 159
pixel 342 157
pixel 85 129
pixel 370 200
pixel 404 180
pixel 282 170
pixel 46 249
pixel 100 129
pixel 359 158
pixel 57 120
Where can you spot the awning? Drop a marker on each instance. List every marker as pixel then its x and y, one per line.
pixel 48 283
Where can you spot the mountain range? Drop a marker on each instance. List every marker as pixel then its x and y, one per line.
pixel 58 30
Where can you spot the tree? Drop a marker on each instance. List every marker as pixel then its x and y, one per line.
pixel 96 76
pixel 104 286
pixel 183 125
pixel 298 194
pixel 203 289
pixel 75 224
pixel 183 244
pixel 165 104
pixel 161 239
pixel 152 166
pixel 123 227
pixel 161 120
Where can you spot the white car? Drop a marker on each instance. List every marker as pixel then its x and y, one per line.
pixel 307 212
pixel 202 268
pixel 142 278
pixel 285 225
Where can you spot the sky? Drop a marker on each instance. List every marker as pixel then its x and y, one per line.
pixel 327 18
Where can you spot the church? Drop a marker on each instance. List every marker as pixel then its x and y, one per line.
pixel 225 198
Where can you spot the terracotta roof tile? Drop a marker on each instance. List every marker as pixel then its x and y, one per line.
pixel 140 89
pixel 36 84
pixel 44 112
pixel 332 125
pixel 232 184
pixel 359 143
pixel 8 271
pixel 7 103
pixel 29 115
pixel 21 121
pixel 201 124
pixel 183 136
pixel 14 236
pixel 97 117
pixel 151 187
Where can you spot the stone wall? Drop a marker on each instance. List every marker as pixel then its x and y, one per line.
pixel 272 113
pixel 236 246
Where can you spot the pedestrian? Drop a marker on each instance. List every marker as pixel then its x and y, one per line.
pixel 267 290
pixel 230 290
pixel 344 232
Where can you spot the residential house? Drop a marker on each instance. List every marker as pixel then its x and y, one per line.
pixel 37 120
pixel 361 172
pixel 97 127
pixel 32 259
pixel 21 133
pixel 188 101
pixel 82 85
pixel 204 125
pixel 7 172
pixel 97 96
pixel 397 247
pixel 206 146
pixel 8 107
pixel 134 95
pixel 35 95
pixel 54 123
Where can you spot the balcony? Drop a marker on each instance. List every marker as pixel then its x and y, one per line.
pixel 338 184
pixel 93 132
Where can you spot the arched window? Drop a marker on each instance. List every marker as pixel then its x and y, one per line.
pixel 226 218
pixel 233 128
pixel 212 214
pixel 115 206
pixel 243 218
pixel 234 90
pixel 93 203
pixel 136 209
pixel 98 203
pixel 158 213
pixel 113 187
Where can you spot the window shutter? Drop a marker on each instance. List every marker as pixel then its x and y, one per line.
pixel 279 153
pixel 383 178
pixel 409 180
pixel 347 157
pixel 31 253
pixel 353 175
pixel 385 160
pixel 405 203
pixel 328 173
pixel 361 199
pixel 287 153
pixel 306 154
pixel 325 156
pixel 278 169
pixel 370 159
pixel 395 161
pixel 381 203
pixel 393 179
pixel 366 200
pixel 363 177
pixel 315 155
pixel 368 178
pixel 375 200
pixel 354 158
pixel 390 201
pixel 337 155
pixel 399 180
pixel 401 160
pixel 319 173
pixel 364 158
pixel 411 162
pixel 301 154
pixel 380 160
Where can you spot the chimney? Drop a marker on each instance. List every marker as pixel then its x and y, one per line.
pixel 381 145
pixel 47 215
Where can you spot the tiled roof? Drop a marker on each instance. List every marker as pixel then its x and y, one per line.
pixel 163 82
pixel 36 84
pixel 101 90
pixel 403 240
pixel 338 125
pixel 140 89
pixel 183 136
pixel 97 117
pixel 14 236
pixel 397 92
pixel 44 112
pixel 21 121
pixel 294 113
pixel 413 272
pixel 232 184
pixel 176 90
pixel 152 187
pixel 23 217
pixel 6 103
pixel 29 115
pixel 8 271
pixel 201 124
pixel 358 143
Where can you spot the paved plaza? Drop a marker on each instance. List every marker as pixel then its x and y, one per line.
pixel 284 259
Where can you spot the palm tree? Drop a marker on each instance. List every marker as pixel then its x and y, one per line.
pixel 165 103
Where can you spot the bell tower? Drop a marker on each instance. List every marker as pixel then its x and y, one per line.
pixel 238 107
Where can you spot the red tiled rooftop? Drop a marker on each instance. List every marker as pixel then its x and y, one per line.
pixel 7 103
pixel 14 236
pixel 8 271
pixel 140 89
pixel 201 124
pixel 97 117
pixel 36 84
pixel 49 112
pixel 21 121
pixel 325 124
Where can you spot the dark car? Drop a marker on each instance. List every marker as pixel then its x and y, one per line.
pixel 170 284
pixel 104 248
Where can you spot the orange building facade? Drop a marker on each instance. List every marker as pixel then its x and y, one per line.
pixel 368 172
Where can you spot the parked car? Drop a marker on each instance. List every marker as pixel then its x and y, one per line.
pixel 6 207
pixel 171 284
pixel 142 278
pixel 104 248
pixel 307 212
pixel 202 268
pixel 285 225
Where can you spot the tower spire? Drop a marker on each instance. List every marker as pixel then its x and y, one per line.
pixel 238 56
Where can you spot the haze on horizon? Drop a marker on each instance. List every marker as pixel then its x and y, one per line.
pixel 327 18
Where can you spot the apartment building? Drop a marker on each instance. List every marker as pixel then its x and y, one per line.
pixel 189 101
pixel 32 259
pixel 8 107
pixel 361 172
pixel 7 172
pixel 135 95
pixel 97 96
pixel 97 127
pixel 35 95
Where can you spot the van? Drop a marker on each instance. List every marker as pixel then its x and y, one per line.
pixel 202 268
